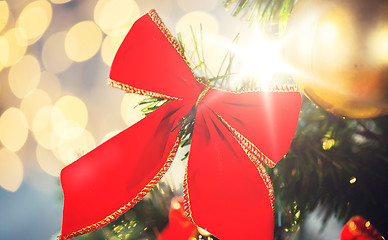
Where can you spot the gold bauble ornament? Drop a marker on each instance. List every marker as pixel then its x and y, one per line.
pixel 338 50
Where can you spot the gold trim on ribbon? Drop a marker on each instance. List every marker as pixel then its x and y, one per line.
pixel 135 200
pixel 250 149
pixel 254 155
pixel 162 27
pixel 277 88
pixel 130 89
pixel 204 91
pixel 186 198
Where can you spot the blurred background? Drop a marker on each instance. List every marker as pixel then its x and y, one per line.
pixel 55 104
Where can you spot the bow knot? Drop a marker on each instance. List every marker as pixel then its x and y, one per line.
pixel 204 91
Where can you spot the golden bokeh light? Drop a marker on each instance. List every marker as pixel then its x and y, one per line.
pixel 130 111
pixel 24 76
pixel 82 41
pixel 110 135
pixel 4 52
pixel 13 129
pixel 15 45
pixel 35 19
pixel 203 5
pixel 43 130
pixel 109 47
pixel 70 150
pixel 11 170
pixel 327 143
pixel 111 15
pixel 49 82
pixel 197 20
pixel 54 56
pixel 32 103
pixel 60 1
pixel 48 162
pixel 352 180
pixel 4 14
pixel 69 117
pixel 205 29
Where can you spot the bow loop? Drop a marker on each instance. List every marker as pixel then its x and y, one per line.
pixel 148 56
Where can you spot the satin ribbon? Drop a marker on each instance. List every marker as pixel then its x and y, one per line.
pixel 227 190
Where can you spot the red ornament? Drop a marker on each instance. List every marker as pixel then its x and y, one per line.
pixel 357 228
pixel 179 227
pixel 234 134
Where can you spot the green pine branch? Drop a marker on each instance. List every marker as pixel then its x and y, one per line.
pixel 275 11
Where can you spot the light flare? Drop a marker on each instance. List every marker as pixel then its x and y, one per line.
pixel 261 59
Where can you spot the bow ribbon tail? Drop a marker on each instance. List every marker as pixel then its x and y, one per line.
pixel 106 182
pixel 227 189
pixel 223 190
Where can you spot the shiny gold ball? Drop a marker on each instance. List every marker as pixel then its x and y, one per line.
pixel 338 54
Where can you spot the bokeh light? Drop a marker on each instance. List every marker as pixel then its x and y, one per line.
pixel 4 52
pixel 48 162
pixel 43 130
pixel 35 19
pixel 33 102
pixel 130 111
pixel 13 129
pixel 109 47
pixel 4 14
pixel 204 28
pixel 111 15
pixel 69 117
pixel 49 82
pixel 110 135
pixel 83 41
pixel 24 76
pixel 70 150
pixel 198 20
pixel 198 5
pixel 54 56
pixel 60 1
pixel 11 170
pixel 352 180
pixel 15 45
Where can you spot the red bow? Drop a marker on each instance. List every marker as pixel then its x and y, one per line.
pixel 226 189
